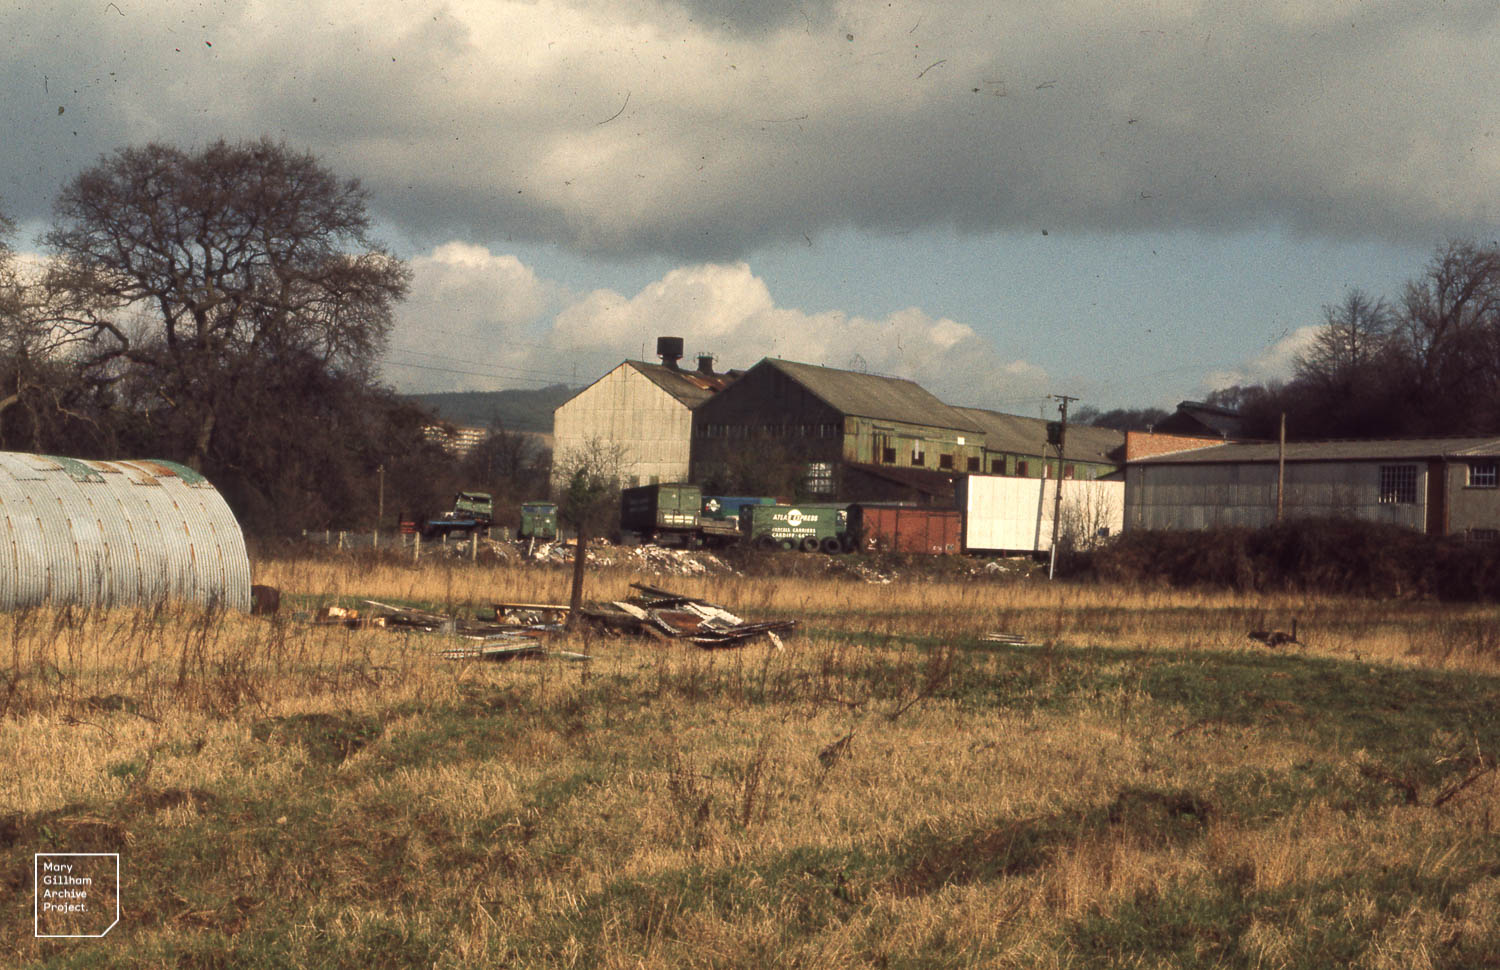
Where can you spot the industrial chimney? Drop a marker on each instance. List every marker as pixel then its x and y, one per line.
pixel 706 364
pixel 669 349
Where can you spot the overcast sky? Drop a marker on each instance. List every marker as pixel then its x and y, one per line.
pixel 1130 202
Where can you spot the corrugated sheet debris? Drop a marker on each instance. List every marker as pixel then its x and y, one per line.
pixel 661 613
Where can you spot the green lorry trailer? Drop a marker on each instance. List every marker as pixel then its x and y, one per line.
pixel 678 513
pixel 538 520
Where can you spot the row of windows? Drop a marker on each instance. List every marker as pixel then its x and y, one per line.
pixel 919 459
pixel 769 430
pixel 974 464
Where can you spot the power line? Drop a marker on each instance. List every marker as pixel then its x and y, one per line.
pixel 469 373
pixel 496 367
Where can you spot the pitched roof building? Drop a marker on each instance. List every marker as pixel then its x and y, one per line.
pixel 1196 418
pixel 1018 445
pixel 645 410
pixel 789 428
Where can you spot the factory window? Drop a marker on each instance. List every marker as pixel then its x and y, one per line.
pixel 888 455
pixel 1023 468
pixel 1484 535
pixel 828 430
pixel 918 457
pixel 1069 471
pixel 1398 484
pixel 1482 474
pixel 820 478
pixel 973 463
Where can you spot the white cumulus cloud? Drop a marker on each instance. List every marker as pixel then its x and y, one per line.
pixel 467 330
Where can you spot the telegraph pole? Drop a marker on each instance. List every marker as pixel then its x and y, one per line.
pixel 1281 467
pixel 1062 437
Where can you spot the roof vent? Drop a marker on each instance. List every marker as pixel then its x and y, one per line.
pixel 706 364
pixel 669 349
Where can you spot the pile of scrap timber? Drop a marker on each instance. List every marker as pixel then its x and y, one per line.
pixel 670 616
pixel 504 638
pixel 522 629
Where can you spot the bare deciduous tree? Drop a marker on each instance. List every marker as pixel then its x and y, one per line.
pixel 200 271
pixel 1354 337
pixel 43 397
pixel 588 496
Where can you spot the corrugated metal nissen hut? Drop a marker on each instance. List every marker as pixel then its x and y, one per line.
pixel 113 533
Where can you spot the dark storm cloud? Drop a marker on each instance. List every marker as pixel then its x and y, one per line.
pixel 762 17
pixel 704 129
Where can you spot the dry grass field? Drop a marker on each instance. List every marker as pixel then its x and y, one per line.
pixel 1138 786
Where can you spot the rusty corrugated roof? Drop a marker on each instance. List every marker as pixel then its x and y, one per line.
pixel 691 387
pixel 874 396
pixel 1394 449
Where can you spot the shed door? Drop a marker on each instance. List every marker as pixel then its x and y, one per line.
pixel 1437 498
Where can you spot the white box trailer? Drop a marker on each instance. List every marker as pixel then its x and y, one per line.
pixel 1008 514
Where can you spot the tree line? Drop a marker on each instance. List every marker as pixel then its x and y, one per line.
pixel 1425 361
pixel 224 308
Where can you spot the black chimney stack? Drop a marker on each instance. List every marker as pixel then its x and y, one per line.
pixel 669 349
pixel 706 364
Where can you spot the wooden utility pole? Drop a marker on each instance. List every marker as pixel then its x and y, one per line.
pixel 1062 437
pixel 1281 467
pixel 380 496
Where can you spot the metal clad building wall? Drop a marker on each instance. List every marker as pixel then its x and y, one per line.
pixel 113 533
pixel 1201 496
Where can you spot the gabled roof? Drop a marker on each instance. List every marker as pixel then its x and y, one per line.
pixel 1195 417
pixel 874 396
pixel 1384 449
pixel 691 387
pixel 1015 434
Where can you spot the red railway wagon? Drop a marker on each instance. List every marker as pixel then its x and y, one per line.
pixel 908 528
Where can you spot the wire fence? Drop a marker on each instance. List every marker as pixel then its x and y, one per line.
pixel 411 543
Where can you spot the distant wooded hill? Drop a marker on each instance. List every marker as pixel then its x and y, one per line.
pixel 516 410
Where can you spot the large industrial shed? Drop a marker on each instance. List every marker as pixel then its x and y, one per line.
pixel 113 533
pixel 646 410
pixel 861 436
pixel 1441 486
